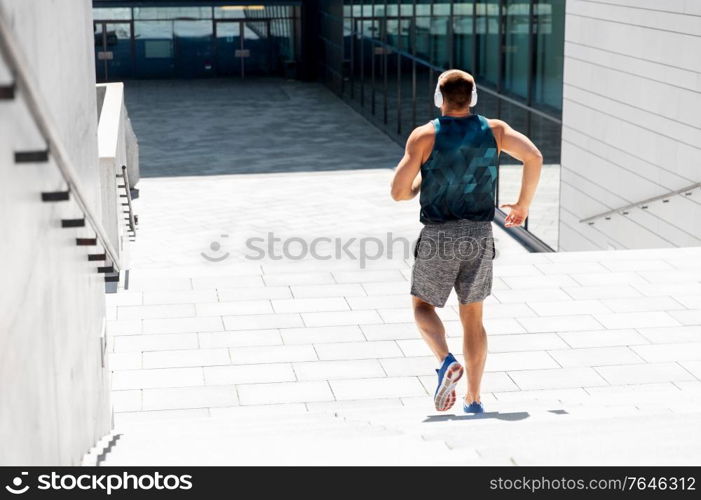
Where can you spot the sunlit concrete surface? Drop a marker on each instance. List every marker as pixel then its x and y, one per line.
pixel 594 357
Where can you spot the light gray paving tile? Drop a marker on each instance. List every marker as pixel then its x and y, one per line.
pixel 523 295
pixel 124 360
pixel 380 302
pixel 374 388
pixel 186 357
pixel 410 367
pixel 246 307
pixel 182 325
pixel 636 319
pixel 337 318
pixel 539 281
pixel 690 276
pixel 167 377
pixel 694 367
pixel 357 350
pixel 390 331
pixel 606 278
pixel 656 353
pixel 647 373
pixel 322 334
pixel 124 327
pixel 667 289
pixel 386 288
pixel 525 360
pixel 267 292
pixel 124 298
pixel 602 338
pixel 405 314
pixel 365 276
pixel 212 282
pixel 355 404
pixel 635 304
pixel 689 301
pixel 689 317
pixel 332 370
pixel 595 356
pixel 179 297
pixel 310 305
pixel 146 283
pixel 240 338
pixel 526 342
pixel 263 410
pixel 313 291
pixel 601 292
pixel 279 279
pixel 672 334
pixel 166 341
pixel 567 268
pixel 562 308
pixel 507 311
pixel 136 417
pixel 126 400
pixel 501 326
pixel 247 374
pixel 574 395
pixel 189 397
pixel 506 270
pixel 156 311
pixel 262 321
pixel 558 378
pixel 560 323
pixel 284 392
pixel 272 354
pixel 635 265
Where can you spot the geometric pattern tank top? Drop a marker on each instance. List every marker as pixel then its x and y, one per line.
pixel 458 181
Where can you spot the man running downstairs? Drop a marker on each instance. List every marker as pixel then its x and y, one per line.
pixel 453 161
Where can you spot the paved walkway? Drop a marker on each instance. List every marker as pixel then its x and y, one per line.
pixel 246 338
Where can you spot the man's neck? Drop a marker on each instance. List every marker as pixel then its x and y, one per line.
pixel 462 113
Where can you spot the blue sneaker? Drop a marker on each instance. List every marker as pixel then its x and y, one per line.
pixel 448 376
pixel 473 407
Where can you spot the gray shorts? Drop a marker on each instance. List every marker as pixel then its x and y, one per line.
pixel 453 254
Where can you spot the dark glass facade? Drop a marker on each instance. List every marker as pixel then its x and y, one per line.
pixel 195 41
pixel 384 57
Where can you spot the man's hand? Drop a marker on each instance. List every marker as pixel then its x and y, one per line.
pixel 517 215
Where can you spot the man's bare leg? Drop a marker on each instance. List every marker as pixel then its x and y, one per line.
pixel 431 327
pixel 474 348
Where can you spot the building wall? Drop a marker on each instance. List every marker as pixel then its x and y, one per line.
pixel 631 123
pixel 54 388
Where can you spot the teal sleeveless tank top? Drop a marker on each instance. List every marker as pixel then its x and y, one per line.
pixel 458 181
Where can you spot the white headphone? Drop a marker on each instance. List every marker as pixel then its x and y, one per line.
pixel 438 95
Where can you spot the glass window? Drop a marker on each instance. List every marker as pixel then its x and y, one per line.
pixel 549 20
pixel 516 49
pixel 152 13
pixel 107 14
pixel 462 41
pixel 487 40
pixel 440 51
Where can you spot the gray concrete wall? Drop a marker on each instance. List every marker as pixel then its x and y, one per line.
pixel 54 389
pixel 631 123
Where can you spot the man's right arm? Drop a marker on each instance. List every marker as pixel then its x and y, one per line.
pixel 407 176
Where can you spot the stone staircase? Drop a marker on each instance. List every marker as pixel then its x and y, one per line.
pixel 598 431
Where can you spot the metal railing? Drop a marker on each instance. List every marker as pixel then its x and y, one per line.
pixel 641 204
pixel 17 64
